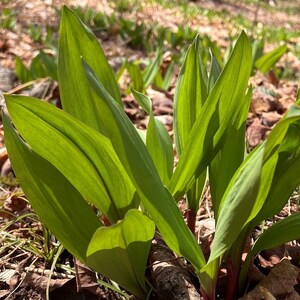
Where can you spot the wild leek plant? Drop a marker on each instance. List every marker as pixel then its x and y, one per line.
pixel 90 153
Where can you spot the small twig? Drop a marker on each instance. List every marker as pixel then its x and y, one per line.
pixel 40 271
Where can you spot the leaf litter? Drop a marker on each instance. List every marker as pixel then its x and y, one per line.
pixel 277 270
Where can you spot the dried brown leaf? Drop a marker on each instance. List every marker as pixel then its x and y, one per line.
pixel 279 282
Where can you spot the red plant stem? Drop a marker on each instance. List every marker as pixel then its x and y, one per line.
pixel 233 271
pixel 191 220
pixel 105 221
pixel 204 295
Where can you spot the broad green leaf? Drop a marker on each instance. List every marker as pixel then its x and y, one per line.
pixel 215 118
pixel 190 95
pixel 284 167
pixel 121 70
pixel 59 205
pixel 120 251
pixel 229 158
pixel 237 203
pixel 234 210
pixel 77 41
pixel 270 170
pixel 85 157
pixel 140 167
pixel 267 61
pixel 158 141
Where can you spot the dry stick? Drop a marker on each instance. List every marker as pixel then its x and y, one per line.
pixel 40 271
pixel 170 277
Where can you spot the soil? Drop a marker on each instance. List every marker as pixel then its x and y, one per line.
pixel 271 99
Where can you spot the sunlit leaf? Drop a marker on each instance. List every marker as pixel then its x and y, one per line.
pixel 152 69
pixel 215 119
pixel 85 157
pixel 59 205
pixel 267 61
pixel 230 157
pixel 141 169
pixel 136 76
pixel 120 252
pixel 76 96
pixel 158 140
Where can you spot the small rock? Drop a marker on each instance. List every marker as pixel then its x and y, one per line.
pixel 7 79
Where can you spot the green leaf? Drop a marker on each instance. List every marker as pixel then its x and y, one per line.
pixel 152 69
pixel 215 71
pixel 283 165
pixel 140 167
pixel 120 252
pixel 59 205
pixel 160 147
pixel 215 119
pixel 22 72
pixel 158 140
pixel 214 49
pixel 281 232
pixel 143 101
pixel 262 184
pixel 136 76
pixel 230 157
pixel 237 203
pixel 43 66
pixel 168 76
pixel 190 95
pixel 257 50
pixel 77 41
pixel 267 61
pixel 85 157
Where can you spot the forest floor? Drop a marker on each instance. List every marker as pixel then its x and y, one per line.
pixel 24 266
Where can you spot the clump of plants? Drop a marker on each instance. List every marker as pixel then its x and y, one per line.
pixel 90 154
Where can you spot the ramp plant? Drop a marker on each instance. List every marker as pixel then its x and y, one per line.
pixel 90 154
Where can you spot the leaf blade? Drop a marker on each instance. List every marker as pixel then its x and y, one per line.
pixel 99 170
pixel 76 96
pixel 120 252
pixel 140 167
pixel 49 192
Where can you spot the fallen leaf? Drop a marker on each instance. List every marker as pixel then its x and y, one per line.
pixel 40 282
pixel 279 282
pixel 256 132
pixel 270 118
